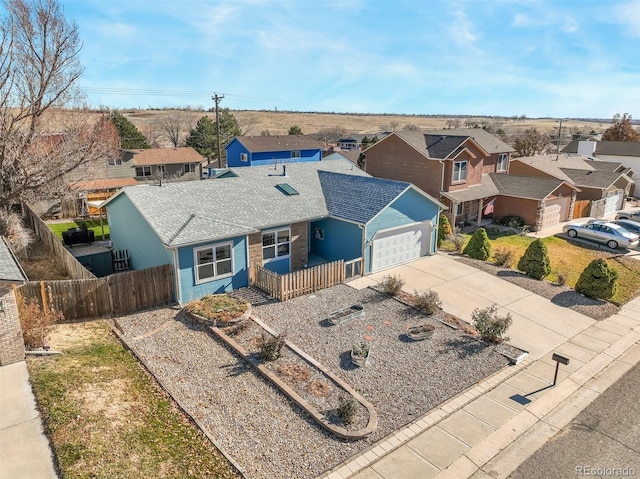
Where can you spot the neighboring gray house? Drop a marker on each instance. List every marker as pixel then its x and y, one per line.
pixel 625 152
pixel 11 274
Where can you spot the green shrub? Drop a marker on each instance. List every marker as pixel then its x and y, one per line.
pixel 490 325
pixel 271 346
pixel 444 229
pixel 535 260
pixel 392 285
pixel 598 280
pixel 503 257
pixel 512 221
pixel 346 409
pixel 478 246
pixel 429 301
pixel 458 242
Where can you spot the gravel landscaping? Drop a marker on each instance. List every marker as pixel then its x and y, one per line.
pixel 266 434
pixel 560 295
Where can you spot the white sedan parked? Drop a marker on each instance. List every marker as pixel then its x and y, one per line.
pixel 608 233
pixel 628 215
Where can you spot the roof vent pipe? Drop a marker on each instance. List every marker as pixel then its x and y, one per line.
pixel 284 170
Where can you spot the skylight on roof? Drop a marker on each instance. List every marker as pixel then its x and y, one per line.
pixel 287 189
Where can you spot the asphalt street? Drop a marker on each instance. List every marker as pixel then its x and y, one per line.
pixel 602 441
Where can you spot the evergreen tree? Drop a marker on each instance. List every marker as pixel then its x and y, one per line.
pixel 203 138
pixel 444 229
pixel 479 246
pixel 130 137
pixel 598 280
pixel 295 130
pixel 535 260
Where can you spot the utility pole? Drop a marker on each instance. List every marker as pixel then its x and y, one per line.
pixel 217 99
pixel 558 140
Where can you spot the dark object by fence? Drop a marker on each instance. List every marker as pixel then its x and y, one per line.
pixel 121 260
pixel 78 236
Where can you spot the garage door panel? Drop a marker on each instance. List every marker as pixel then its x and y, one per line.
pixel 399 245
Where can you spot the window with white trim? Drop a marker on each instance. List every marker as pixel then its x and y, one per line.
pixel 460 209
pixel 244 157
pixel 295 154
pixel 189 167
pixel 213 262
pixel 276 244
pixel 502 162
pixel 117 161
pixel 143 171
pixel 161 169
pixel 460 171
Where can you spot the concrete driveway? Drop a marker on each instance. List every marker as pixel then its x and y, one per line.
pixel 539 326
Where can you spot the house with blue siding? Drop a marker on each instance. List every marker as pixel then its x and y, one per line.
pixel 283 217
pixel 269 150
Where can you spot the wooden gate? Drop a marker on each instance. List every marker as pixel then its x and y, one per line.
pixel 581 208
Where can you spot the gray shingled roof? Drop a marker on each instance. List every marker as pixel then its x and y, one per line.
pixel 440 144
pixel 555 165
pixel 256 144
pixel 485 189
pixel 616 148
pixel 358 198
pixel 594 179
pixel 10 270
pixel 195 211
pixel 525 186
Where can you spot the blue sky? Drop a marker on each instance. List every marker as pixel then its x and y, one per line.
pixel 556 58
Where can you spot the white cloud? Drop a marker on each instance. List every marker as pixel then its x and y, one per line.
pixel 628 15
pixel 521 20
pixel 462 29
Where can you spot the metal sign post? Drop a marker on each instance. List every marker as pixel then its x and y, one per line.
pixel 558 359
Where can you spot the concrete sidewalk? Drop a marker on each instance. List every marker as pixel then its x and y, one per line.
pixel 24 449
pixel 488 430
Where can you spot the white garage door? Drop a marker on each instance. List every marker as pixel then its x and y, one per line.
pixel 399 245
pixel 613 203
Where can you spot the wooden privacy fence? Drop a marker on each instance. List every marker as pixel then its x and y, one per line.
pixel 581 208
pixel 297 283
pixel 114 295
pixel 72 266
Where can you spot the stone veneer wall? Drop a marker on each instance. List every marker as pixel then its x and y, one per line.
pixel 299 247
pixel 11 342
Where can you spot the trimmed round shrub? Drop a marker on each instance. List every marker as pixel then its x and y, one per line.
pixel 598 280
pixel 444 229
pixel 478 246
pixel 535 260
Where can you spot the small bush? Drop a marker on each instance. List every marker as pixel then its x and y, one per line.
pixel 478 246
pixel 346 409
pixel 271 346
pixel 535 260
pixel 429 301
pixel 562 278
pixel 360 350
pixel 458 242
pixel 444 229
pixel 36 323
pixel 392 285
pixel 512 221
pixel 598 280
pixel 491 326
pixel 503 257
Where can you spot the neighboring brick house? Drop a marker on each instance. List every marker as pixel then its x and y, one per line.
pixel 467 169
pixel 11 274
pixel 603 185
pixel 625 152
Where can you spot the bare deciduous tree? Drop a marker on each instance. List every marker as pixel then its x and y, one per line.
pixel 172 126
pixel 45 133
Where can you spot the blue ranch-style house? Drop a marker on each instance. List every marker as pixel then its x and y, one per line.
pixel 284 218
pixel 268 150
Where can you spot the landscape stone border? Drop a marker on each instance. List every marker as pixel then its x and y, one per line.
pixel 294 396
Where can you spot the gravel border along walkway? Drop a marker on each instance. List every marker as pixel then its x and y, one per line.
pixel 563 296
pixel 267 435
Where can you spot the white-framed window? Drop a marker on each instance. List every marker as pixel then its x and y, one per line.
pixel 295 154
pixel 244 157
pixel 460 209
pixel 161 169
pixel 459 170
pixel 276 244
pixel 213 262
pixel 143 171
pixel 115 161
pixel 502 162
pixel 189 167
pixel 319 233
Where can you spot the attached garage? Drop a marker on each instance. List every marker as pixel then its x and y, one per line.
pixel 613 202
pixel 555 211
pixel 394 246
